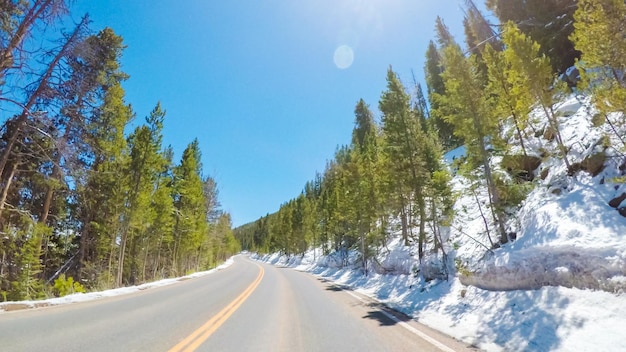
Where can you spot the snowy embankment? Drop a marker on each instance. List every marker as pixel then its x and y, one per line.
pixel 90 296
pixel 570 230
pixel 560 285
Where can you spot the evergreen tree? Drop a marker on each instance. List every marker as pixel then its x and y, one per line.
pixel 507 94
pixel 102 190
pixel 402 133
pixel 190 227
pixel 366 168
pixel 530 71
pixel 466 107
pixel 433 69
pixel 479 35
pixel 144 165
pixel 601 37
pixel 548 22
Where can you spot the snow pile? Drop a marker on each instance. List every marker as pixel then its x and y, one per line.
pixel 90 296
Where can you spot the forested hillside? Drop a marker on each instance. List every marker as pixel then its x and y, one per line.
pixel 90 198
pixel 504 97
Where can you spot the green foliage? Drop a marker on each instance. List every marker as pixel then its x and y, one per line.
pixel 78 192
pixel 66 286
pixel 601 37
pixel 511 193
pixel 531 74
pixel 434 82
pixel 466 106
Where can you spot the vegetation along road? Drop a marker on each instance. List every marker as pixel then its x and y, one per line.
pixel 249 306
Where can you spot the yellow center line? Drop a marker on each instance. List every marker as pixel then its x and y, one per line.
pixel 196 338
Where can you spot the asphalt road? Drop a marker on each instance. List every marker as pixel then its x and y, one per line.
pixel 247 307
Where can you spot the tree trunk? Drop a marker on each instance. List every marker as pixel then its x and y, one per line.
pixel 559 140
pixel 494 197
pixel 5 190
pixel 422 234
pixel 120 259
pixel 403 218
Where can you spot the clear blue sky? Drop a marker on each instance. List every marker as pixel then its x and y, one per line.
pixel 257 82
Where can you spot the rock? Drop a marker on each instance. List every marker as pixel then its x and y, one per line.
pixel 594 164
pixel 521 166
pixel 615 202
pixel 556 191
pixel 622 211
pixel 574 168
pixel 544 173
pixel 549 133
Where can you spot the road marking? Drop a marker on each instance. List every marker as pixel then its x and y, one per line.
pixel 408 327
pixel 193 341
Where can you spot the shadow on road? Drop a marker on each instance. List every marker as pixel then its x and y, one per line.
pixel 378 312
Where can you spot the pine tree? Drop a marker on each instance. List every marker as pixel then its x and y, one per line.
pixel 507 94
pixel 466 107
pixel 531 71
pixel 366 168
pixel 433 69
pixel 190 227
pixel 144 165
pixel 479 35
pixel 16 23
pixel 102 190
pixel 601 37
pixel 162 226
pixel 402 133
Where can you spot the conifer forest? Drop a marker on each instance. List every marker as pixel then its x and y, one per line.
pixel 90 197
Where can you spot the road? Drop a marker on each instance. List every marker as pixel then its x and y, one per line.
pixel 247 307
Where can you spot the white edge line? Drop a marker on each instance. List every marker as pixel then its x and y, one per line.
pixel 408 327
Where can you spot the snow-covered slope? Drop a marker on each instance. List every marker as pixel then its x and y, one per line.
pixel 559 286
pixel 567 234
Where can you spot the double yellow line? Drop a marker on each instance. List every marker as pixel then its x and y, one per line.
pixel 193 341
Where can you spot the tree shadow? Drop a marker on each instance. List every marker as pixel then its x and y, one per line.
pixel 385 316
pixel 382 319
pixel 520 320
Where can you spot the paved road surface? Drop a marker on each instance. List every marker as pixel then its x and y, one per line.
pixel 246 307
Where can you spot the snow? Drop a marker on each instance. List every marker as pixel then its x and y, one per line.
pixel 559 286
pixel 90 296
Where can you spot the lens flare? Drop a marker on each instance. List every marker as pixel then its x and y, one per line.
pixel 343 57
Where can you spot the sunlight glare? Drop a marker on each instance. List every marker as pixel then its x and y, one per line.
pixel 343 57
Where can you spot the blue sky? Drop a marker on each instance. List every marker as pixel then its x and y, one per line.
pixel 257 81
